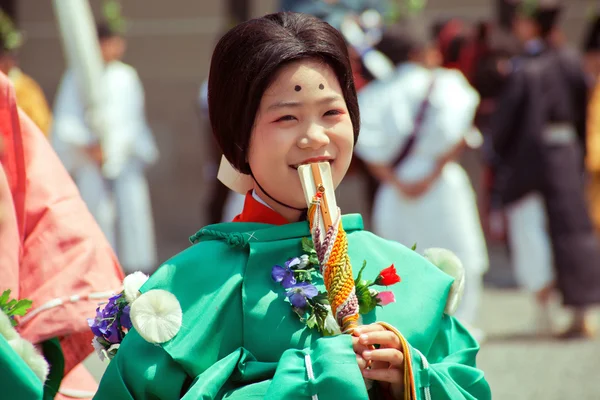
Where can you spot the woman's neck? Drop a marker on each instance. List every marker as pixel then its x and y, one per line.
pixel 288 213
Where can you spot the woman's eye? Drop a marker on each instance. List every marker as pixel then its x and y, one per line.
pixel 286 118
pixel 332 112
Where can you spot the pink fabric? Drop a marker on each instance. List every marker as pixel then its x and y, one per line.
pixel 78 379
pixel 50 246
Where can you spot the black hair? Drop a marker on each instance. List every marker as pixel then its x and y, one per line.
pixel 106 31
pixel 398 42
pixel 246 60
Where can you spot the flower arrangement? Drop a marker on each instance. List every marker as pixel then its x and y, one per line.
pixel 311 304
pixel 113 321
pixel 110 326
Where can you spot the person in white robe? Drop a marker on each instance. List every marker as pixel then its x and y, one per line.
pixel 427 199
pixel 111 175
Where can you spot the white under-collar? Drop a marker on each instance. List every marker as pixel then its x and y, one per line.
pixel 257 198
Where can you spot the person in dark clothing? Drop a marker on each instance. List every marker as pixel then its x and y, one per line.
pixel 537 141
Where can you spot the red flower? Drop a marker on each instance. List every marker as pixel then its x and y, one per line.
pixel 388 276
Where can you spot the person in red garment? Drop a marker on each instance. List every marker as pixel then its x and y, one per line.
pixel 51 250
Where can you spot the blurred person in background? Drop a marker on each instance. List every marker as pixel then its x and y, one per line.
pixel 121 205
pixel 414 126
pixel 30 96
pixel 52 252
pixel 592 56
pixel 537 141
pixel 223 204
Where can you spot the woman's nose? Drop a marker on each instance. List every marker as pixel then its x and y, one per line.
pixel 315 137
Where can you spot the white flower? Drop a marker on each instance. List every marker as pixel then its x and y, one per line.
pixel 99 349
pixel 448 262
pixel 112 350
pixel 132 284
pixel 156 315
pixel 303 261
pixel 331 326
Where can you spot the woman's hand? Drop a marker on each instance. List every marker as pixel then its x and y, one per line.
pixel 415 190
pixel 96 154
pixel 386 362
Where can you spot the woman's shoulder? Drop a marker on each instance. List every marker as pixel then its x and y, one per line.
pixel 196 284
pixel 437 270
pixel 197 266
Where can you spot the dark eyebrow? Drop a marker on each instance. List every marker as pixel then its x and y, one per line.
pixel 296 104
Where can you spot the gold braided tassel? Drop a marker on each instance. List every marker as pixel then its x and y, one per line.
pixel 335 267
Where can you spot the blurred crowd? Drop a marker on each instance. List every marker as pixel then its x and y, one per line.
pixel 515 91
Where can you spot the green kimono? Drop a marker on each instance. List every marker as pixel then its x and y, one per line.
pixel 17 380
pixel 240 339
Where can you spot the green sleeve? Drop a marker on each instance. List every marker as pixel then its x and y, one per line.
pixel 325 369
pixel 449 370
pixel 17 380
pixel 141 371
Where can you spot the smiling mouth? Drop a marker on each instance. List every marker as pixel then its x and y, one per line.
pixel 313 160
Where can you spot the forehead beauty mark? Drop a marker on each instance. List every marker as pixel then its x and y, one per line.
pixel 298 88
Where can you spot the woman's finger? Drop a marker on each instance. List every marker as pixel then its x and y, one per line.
pixel 367 328
pixel 394 357
pixel 358 347
pixel 382 338
pixel 392 375
pixel 362 363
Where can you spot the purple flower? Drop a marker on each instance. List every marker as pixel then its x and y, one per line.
pixel 283 275
pixel 106 325
pixel 292 262
pixel 112 334
pixel 300 292
pixel 297 262
pixel 97 324
pixel 111 309
pixel 125 320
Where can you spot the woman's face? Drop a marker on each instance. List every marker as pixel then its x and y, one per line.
pixel 302 118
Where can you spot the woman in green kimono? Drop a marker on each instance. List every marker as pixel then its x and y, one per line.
pixel 215 322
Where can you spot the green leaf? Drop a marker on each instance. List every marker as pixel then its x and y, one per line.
pixel 313 259
pixel 307 245
pixel 359 277
pixel 103 342
pixel 321 298
pixel 414 247
pixel 122 301
pixel 4 297
pixel 311 322
pixel 21 307
pixel 303 276
pixel 10 304
pixel 366 302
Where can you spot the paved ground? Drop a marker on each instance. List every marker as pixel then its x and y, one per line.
pixel 518 364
